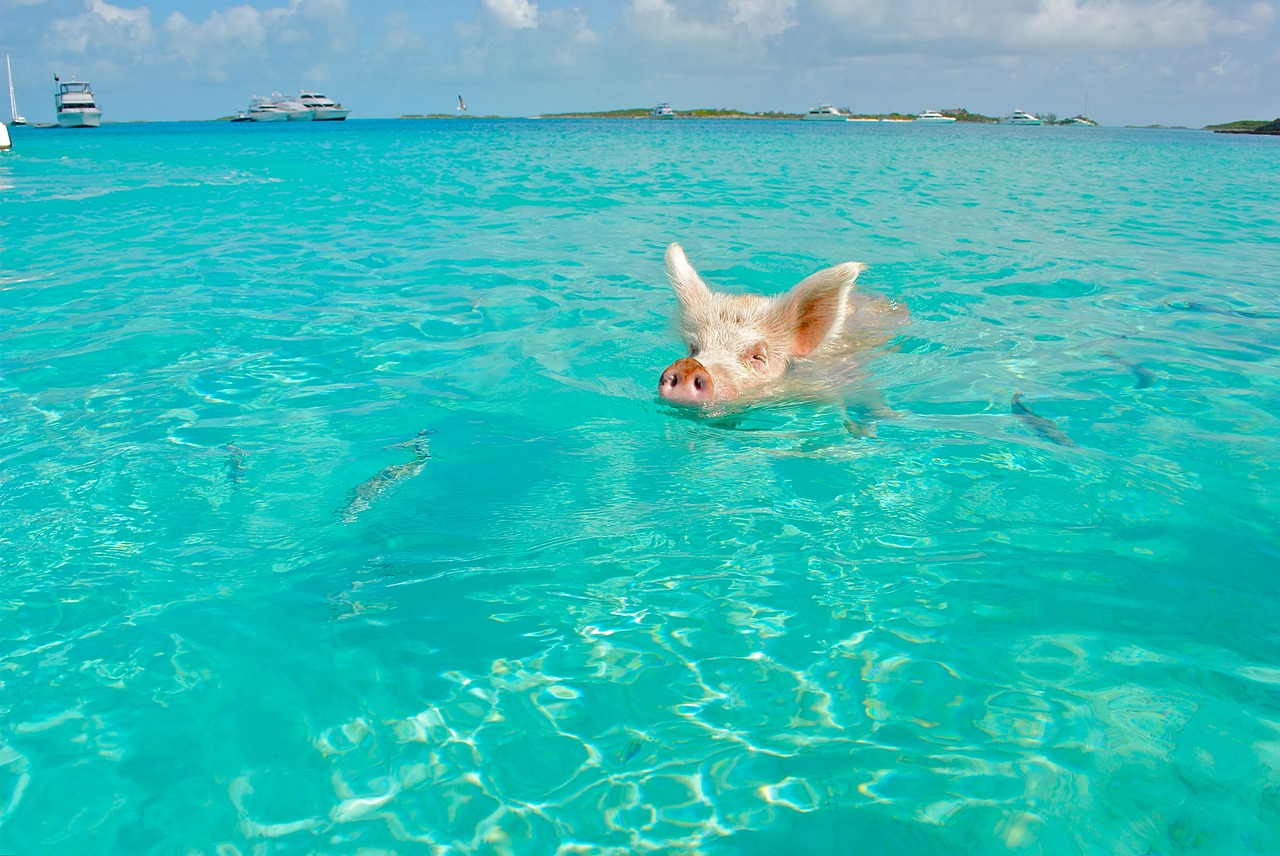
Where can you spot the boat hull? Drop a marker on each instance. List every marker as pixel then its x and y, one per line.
pixel 269 116
pixel 79 118
pixel 331 115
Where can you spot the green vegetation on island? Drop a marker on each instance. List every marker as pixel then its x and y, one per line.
pixel 958 113
pixel 1247 126
pixel 646 112
pixel 445 116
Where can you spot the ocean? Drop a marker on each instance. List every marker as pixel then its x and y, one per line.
pixel 340 513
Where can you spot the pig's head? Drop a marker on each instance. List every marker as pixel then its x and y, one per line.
pixel 738 344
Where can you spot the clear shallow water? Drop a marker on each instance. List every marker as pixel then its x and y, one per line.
pixel 249 606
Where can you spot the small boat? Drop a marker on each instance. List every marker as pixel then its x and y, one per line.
pixel 933 117
pixel 825 113
pixel 662 111
pixel 1021 117
pixel 13 102
pixel 265 110
pixel 74 105
pixel 325 108
pixel 1081 120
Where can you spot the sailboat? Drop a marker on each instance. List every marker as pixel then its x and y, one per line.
pixel 13 101
pixel 1083 118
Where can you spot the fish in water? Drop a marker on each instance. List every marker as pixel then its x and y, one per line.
pixel 1143 376
pixel 370 491
pixel 629 751
pixel 1044 427
pixel 1205 308
pixel 235 466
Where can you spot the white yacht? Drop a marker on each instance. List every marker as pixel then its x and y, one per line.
pixel 298 112
pixel 74 104
pixel 662 111
pixel 825 113
pixel 1022 117
pixel 325 108
pixel 1081 120
pixel 265 110
pixel 13 101
pixel 933 117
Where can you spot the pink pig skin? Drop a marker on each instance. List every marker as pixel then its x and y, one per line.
pixel 741 346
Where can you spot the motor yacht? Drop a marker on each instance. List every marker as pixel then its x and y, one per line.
pixel 1021 117
pixel 825 113
pixel 74 104
pixel 662 111
pixel 264 110
pixel 324 107
pixel 933 117
pixel 298 112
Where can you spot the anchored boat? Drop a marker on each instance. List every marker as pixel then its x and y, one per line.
pixel 13 101
pixel 74 104
pixel 825 113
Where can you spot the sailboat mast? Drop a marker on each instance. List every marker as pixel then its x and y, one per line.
pixel 13 99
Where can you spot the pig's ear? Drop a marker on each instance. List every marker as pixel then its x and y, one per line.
pixel 819 305
pixel 690 288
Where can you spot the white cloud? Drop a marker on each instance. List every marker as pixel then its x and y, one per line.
pixel 127 30
pixel 399 37
pixel 213 45
pixel 764 18
pixel 702 28
pixel 514 14
pixel 229 40
pixel 995 27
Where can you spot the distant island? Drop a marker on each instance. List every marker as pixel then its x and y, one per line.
pixel 645 112
pixel 958 113
pixel 1240 126
pixel 445 116
pixel 1247 126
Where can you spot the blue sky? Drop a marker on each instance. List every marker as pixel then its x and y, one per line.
pixel 1177 62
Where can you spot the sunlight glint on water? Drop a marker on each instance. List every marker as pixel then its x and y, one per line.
pixel 340 512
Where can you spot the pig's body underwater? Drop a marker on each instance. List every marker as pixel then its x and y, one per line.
pixel 742 346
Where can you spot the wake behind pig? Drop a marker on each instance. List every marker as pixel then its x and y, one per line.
pixel 747 347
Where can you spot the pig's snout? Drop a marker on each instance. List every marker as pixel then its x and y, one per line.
pixel 686 382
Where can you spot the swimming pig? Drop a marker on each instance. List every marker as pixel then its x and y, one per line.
pixel 743 345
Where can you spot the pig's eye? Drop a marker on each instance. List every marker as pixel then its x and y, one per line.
pixel 694 349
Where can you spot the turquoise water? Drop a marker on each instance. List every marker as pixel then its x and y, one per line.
pixel 340 514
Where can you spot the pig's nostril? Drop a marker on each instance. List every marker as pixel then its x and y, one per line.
pixel 686 382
